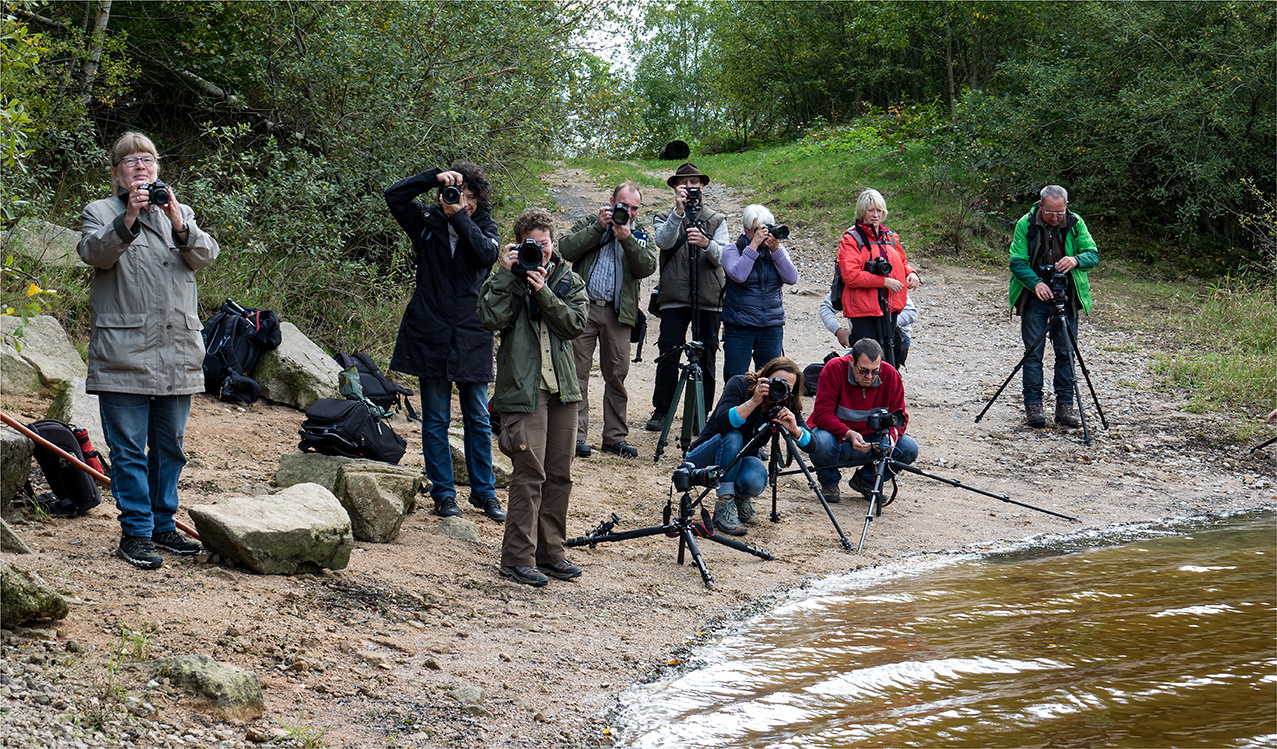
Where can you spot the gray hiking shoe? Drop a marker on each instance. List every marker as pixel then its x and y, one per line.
pixel 725 517
pixel 139 551
pixel 745 510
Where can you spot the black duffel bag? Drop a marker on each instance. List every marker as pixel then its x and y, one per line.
pixel 346 427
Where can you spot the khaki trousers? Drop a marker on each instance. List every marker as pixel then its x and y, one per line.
pixel 613 339
pixel 541 446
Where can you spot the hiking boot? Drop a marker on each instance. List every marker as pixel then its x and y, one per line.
pixel 622 448
pixel 526 575
pixel 490 507
pixel 139 551
pixel 447 507
pixel 745 510
pixel 175 543
pixel 655 423
pixel 582 449
pixel 832 495
pixel 857 484
pixel 1033 415
pixel 562 569
pixel 725 517
pixel 1064 415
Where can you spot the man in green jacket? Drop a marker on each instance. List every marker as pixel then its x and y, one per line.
pixel 537 312
pixel 612 256
pixel 1050 240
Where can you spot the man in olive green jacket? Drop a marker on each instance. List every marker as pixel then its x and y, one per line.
pixel 537 312
pixel 612 256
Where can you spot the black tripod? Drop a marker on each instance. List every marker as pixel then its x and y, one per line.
pixel 684 527
pixel 882 448
pixel 691 378
pixel 1060 324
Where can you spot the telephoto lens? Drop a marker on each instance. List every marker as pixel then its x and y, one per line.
pixel 779 232
pixel 451 194
pixel 528 258
pixel 620 215
pixel 158 191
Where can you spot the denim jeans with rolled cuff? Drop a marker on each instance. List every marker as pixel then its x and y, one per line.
pixel 145 435
pixel 829 451
pixel 747 478
pixel 436 415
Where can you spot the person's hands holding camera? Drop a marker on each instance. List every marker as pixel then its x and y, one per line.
pixel 625 230
pixel 761 236
pixel 680 198
pixel 786 418
pixel 858 441
pixel 536 278
pixel 509 256
pixel 1043 292
pixel 452 179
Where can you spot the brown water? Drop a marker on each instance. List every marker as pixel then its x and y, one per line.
pixel 1156 636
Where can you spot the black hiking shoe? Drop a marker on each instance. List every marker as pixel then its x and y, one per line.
pixel 491 507
pixel 655 423
pixel 175 543
pixel 139 551
pixel 526 575
pixel 447 508
pixel 582 449
pixel 562 569
pixel 622 448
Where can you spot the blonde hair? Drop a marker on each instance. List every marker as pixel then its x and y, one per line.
pixel 132 142
pixel 870 196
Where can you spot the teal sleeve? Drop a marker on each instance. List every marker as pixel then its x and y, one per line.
pixel 804 440
pixel 733 416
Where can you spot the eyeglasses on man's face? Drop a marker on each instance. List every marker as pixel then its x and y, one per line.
pixel 1055 213
pixel 869 372
pixel 132 161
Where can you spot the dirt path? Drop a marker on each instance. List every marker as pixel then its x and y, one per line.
pixel 368 654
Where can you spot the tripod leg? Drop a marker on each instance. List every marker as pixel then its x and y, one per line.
pixel 773 470
pixel 663 440
pixel 1011 376
pixel 875 498
pixel 815 487
pixel 1087 376
pixel 732 543
pixel 686 539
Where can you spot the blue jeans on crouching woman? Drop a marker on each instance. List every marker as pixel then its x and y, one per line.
pixel 747 478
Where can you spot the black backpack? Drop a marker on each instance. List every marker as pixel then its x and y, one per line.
pixel 381 391
pixel 74 491
pixel 336 426
pixel 234 340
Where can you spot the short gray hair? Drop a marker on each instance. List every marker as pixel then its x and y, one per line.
pixel 756 215
pixel 1054 191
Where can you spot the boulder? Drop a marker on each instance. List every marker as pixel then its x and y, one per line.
pixel 502 468
pixel 298 373
pixel 300 528
pixel 74 406
pixel 233 693
pixel 315 468
pixel 460 529
pixel 10 542
pixel 17 375
pixel 25 597
pixel 15 465
pixel 377 496
pixel 46 243
pixel 44 347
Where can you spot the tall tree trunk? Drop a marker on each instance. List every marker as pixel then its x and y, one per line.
pixel 97 41
pixel 948 61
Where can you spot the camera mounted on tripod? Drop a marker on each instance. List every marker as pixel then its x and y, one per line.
pixel 1058 281
pixel 688 475
pixel 781 395
pixel 880 421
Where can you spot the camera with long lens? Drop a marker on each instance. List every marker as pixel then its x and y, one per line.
pixel 881 420
pixel 450 194
pixel 1059 282
pixel 778 231
pixel 529 256
pixel 688 475
pixel 780 393
pixel 159 192
pixel 620 215
pixel 879 266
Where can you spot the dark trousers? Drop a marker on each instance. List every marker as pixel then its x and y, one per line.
pixel 881 329
pixel 674 326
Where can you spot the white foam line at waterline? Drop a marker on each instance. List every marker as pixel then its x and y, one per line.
pixel 876 681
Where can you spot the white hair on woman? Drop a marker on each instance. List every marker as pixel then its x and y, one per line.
pixel 868 197
pixel 756 215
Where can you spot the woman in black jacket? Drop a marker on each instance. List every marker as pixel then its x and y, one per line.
pixel 745 407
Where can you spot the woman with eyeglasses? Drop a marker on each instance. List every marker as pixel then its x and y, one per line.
pixel 875 274
pixel 146 351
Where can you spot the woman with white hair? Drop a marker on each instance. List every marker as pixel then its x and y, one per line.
pixel 757 265
pixel 875 274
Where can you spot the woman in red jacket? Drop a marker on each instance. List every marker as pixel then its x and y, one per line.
pixel 875 274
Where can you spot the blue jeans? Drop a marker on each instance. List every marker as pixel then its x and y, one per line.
pixel 742 341
pixel 145 436
pixel 747 478
pixel 1035 319
pixel 829 451
pixel 436 415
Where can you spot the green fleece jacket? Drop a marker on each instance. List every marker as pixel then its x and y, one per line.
pixel 1077 243
pixel 580 246
pixel 505 307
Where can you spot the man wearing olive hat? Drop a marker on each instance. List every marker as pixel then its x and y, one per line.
pixel 676 233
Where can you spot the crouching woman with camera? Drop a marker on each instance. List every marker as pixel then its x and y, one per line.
pixel 875 274
pixel 537 305
pixel 749 402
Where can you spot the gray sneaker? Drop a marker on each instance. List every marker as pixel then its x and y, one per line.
pixel 139 551
pixel 745 510
pixel 562 569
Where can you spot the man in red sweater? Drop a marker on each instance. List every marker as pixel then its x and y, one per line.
pixel 851 386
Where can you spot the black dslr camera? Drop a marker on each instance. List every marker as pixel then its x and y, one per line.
pixel 879 266
pixel 528 258
pixel 450 194
pixel 778 390
pixel 688 475
pixel 779 232
pixel 881 420
pixel 1059 282
pixel 620 215
pixel 693 200
pixel 159 192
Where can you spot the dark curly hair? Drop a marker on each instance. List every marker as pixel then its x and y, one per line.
pixel 533 218
pixel 477 181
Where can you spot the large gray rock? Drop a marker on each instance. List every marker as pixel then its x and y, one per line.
pixel 233 693
pixel 377 497
pixel 314 468
pixel 15 465
pixel 10 542
pixel 460 529
pixel 502 468
pixel 44 347
pixel 74 406
pixel 298 373
pixel 17 375
pixel 299 528
pixel 25 597
pixel 44 242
